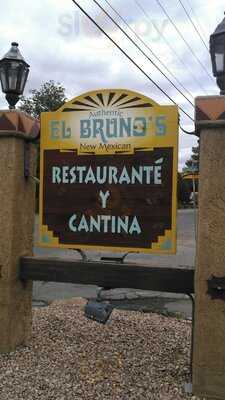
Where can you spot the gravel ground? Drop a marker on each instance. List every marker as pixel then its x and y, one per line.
pixel 136 356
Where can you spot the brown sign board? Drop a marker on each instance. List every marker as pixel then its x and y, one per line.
pixel 117 195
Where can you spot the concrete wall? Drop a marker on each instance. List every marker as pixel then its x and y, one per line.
pixel 209 336
pixel 17 208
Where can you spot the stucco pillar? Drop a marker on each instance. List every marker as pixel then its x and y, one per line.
pixel 17 210
pixel 209 334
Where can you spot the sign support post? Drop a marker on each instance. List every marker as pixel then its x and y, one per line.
pixel 16 228
pixel 209 335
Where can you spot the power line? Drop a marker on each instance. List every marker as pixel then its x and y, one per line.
pixel 194 26
pixel 184 40
pixel 194 133
pixel 171 47
pixel 197 19
pixel 144 54
pixel 149 48
pixel 129 58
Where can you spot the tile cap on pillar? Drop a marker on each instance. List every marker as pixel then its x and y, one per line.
pixel 17 121
pixel 209 112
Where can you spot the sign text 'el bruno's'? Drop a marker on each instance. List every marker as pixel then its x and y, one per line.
pixel 109 173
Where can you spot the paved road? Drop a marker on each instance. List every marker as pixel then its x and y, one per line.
pixel 173 303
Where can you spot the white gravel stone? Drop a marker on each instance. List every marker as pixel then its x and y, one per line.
pixel 136 356
pixel 132 296
pixel 112 296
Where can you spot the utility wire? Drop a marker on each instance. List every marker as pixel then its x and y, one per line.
pixel 197 19
pixel 129 58
pixel 148 47
pixel 184 40
pixel 187 132
pixel 194 26
pixel 140 49
pixel 171 47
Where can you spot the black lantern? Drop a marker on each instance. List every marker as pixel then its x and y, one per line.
pixel 98 310
pixel 217 50
pixel 13 74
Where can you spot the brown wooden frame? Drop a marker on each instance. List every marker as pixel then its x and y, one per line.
pixel 108 274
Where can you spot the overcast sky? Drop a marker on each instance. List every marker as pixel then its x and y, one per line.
pixel 61 44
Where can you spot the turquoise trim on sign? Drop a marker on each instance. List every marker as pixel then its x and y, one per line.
pixel 45 238
pixel 167 245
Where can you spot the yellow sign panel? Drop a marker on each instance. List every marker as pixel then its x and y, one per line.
pixel 109 173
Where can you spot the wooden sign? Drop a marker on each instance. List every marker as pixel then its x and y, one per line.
pixel 109 173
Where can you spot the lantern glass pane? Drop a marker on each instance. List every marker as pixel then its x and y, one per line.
pixel 3 79
pixel 24 73
pixel 219 62
pixel 13 72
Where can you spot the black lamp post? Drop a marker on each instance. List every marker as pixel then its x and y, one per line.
pixel 13 74
pixel 217 51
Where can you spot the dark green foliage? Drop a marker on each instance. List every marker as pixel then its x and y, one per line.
pixel 184 188
pixel 192 165
pixel 49 97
